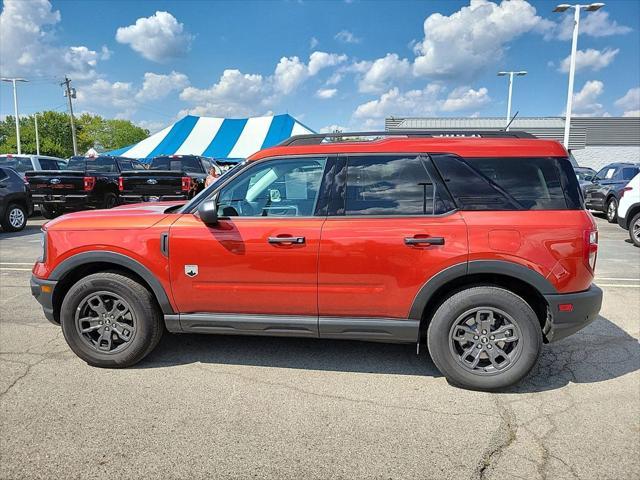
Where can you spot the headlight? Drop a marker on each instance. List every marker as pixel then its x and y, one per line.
pixel 43 244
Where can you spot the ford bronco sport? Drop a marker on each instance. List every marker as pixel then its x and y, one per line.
pixel 478 245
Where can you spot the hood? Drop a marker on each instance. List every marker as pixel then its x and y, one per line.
pixel 127 217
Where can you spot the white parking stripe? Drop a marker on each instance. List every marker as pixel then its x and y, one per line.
pixel 9 269
pixel 618 285
pixel 16 263
pixel 620 279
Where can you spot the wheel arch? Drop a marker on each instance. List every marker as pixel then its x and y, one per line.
pixel 78 266
pixel 522 281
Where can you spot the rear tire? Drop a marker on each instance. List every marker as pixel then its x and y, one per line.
pixel 634 230
pixel 110 320
pixel 15 218
pixel 110 200
pixel 484 338
pixel 612 210
pixel 49 212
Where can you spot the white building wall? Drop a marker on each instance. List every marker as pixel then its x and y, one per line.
pixel 598 157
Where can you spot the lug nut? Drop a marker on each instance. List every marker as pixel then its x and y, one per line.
pixel 475 337
pixel 484 332
pixel 492 337
pixel 479 346
pixel 489 347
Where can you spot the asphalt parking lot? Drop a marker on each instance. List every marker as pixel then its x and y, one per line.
pixel 239 407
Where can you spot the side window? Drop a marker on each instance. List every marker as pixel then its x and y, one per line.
pixel 389 185
pixel 274 188
pixel 628 173
pixel 101 165
pixel 46 164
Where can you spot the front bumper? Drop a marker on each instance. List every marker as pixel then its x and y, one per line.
pixel 44 296
pixel 561 324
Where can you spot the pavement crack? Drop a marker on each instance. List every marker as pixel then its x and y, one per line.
pixel 20 377
pixel 503 438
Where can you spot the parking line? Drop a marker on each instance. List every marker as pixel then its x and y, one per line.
pixel 16 263
pixel 619 285
pixel 14 269
pixel 619 279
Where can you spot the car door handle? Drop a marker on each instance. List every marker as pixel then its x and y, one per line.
pixel 424 240
pixel 286 240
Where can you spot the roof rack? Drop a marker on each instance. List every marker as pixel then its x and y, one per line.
pixel 317 138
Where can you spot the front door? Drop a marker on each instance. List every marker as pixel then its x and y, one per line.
pixel 262 256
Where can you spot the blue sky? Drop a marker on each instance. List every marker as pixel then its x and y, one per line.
pixel 328 63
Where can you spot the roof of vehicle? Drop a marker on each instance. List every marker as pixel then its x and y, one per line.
pixel 469 144
pixel 29 155
pixel 621 164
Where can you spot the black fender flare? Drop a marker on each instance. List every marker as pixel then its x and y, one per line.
pixel 139 269
pixel 496 267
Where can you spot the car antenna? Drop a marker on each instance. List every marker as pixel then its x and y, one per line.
pixel 506 129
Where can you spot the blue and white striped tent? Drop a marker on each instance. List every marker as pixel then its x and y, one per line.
pixel 219 138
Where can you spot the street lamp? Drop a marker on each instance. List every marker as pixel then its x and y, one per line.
pixel 563 7
pixel 511 74
pixel 15 107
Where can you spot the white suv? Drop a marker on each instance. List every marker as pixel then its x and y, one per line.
pixel 24 163
pixel 629 209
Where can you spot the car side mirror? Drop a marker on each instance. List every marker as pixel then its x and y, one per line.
pixel 208 211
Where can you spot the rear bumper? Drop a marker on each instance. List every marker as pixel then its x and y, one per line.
pixel 79 200
pixel 44 296
pixel 586 306
pixel 150 198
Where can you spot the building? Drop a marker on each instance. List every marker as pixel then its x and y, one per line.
pixel 594 141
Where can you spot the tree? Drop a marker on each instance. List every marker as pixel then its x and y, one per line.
pixel 55 134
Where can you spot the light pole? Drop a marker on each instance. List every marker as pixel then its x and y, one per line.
pixel 511 74
pixel 15 107
pixel 563 7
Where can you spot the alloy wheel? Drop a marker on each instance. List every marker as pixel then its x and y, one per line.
pixel 636 230
pixel 611 210
pixel 105 322
pixel 485 341
pixel 16 217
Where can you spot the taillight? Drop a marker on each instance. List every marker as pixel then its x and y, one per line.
pixel 625 189
pixel 89 183
pixel 121 184
pixel 590 249
pixel 186 184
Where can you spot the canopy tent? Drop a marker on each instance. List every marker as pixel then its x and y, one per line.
pixel 220 138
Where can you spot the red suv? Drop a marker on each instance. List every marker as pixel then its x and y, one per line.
pixel 478 245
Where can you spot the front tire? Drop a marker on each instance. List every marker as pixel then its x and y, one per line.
pixel 110 320
pixel 15 218
pixel 484 338
pixel 612 210
pixel 634 230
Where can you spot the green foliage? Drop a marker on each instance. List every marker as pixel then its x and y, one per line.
pixel 54 130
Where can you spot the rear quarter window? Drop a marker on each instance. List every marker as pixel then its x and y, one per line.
pixel 510 183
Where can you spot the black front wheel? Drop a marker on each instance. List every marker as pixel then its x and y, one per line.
pixel 612 210
pixel 110 320
pixel 484 338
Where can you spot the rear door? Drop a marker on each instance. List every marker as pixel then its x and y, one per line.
pixel 262 256
pixel 391 227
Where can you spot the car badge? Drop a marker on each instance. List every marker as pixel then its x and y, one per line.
pixel 55 181
pixel 152 181
pixel 191 270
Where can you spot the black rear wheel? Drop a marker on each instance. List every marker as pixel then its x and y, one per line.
pixel 110 200
pixel 110 320
pixel 612 210
pixel 484 338
pixel 49 212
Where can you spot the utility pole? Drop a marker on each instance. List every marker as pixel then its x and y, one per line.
pixel 35 119
pixel 510 74
pixel 15 107
pixel 71 93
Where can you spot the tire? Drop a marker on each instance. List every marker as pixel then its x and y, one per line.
pixel 141 322
pixel 612 210
pixel 634 229
pixel 110 200
pixel 507 309
pixel 15 218
pixel 49 212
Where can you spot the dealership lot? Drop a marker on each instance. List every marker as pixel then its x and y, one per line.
pixel 237 407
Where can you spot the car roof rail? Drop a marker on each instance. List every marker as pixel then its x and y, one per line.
pixel 317 138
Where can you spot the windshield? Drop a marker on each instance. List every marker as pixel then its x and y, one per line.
pixel 207 191
pixel 177 164
pixel 584 175
pixel 19 164
pixel 92 164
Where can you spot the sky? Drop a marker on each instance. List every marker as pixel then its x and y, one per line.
pixel 331 64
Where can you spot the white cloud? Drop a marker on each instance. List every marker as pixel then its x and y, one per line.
pixel 152 126
pixel 464 98
pixel 395 103
pixel 291 71
pixel 333 128
pixel 476 36
pixel 313 43
pixel 380 73
pixel 326 93
pixel 334 79
pixel 346 36
pixel 630 102
pixel 596 24
pixel 585 102
pixel 28 44
pixel 159 37
pixel 104 93
pixel 157 86
pixel 590 59
pixel 321 60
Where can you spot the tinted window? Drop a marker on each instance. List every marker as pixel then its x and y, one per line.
pixel 3 174
pixel 389 185
pixel 275 188
pixel 19 164
pixel 510 183
pixel 177 164
pixel 47 164
pixel 93 164
pixel 629 172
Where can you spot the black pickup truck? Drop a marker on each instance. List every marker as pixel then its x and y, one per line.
pixel 175 177
pixel 86 182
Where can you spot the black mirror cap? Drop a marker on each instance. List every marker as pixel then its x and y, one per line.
pixel 208 212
